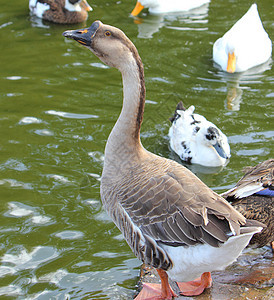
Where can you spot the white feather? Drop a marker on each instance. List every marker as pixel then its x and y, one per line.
pixel 38 8
pixel 167 6
pixel 190 262
pixel 72 7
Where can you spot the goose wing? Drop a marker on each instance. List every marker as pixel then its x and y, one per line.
pixel 174 207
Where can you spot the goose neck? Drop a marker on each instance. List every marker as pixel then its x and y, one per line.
pixel 124 139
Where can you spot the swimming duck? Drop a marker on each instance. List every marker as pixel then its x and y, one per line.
pixel 197 140
pixel 164 6
pixel 253 196
pixel 245 45
pixel 60 11
pixel 168 216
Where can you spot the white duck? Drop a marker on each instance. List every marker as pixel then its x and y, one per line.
pixel 197 140
pixel 169 217
pixel 166 6
pixel 245 45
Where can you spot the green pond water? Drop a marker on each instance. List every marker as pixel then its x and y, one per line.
pixel 58 105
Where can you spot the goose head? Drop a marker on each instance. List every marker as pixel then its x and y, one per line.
pixel 108 43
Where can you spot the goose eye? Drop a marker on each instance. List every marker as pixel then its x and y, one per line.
pixel 107 33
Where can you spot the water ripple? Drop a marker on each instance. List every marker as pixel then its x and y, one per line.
pixel 69 235
pixel 22 259
pixel 15 184
pixel 70 115
pixel 29 120
pixel 14 164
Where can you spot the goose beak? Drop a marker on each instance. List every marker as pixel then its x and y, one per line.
pixel 220 150
pixel 83 36
pixel 137 9
pixel 231 63
pixel 87 7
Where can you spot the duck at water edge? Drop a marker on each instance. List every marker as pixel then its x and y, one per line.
pixel 170 219
pixel 253 196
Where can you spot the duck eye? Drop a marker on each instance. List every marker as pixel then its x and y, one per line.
pixel 107 33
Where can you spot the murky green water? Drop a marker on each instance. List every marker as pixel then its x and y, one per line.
pixel 58 105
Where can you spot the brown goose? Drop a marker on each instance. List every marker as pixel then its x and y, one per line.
pixel 253 196
pixel 60 11
pixel 170 219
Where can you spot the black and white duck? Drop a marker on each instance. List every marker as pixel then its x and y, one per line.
pixel 196 140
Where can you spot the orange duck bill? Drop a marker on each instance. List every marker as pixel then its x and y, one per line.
pixel 137 9
pixel 86 6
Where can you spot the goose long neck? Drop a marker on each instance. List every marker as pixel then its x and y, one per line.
pixel 124 140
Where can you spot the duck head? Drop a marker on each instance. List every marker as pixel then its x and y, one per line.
pixel 77 5
pixel 214 138
pixel 108 43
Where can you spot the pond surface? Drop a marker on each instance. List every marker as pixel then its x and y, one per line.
pixel 58 105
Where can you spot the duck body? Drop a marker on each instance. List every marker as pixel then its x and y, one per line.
pixel 60 11
pixel 245 45
pixel 163 6
pixel 161 207
pixel 196 140
pixel 253 196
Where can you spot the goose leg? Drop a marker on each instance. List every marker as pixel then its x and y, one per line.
pixel 272 246
pixel 155 291
pixel 197 286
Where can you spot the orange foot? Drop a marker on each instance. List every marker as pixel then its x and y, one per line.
pixel 197 286
pixel 152 291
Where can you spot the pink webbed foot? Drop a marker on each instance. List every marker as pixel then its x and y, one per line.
pixel 197 286
pixel 152 291
pixel 155 291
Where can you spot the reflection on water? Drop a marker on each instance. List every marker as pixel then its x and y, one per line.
pixel 58 105
pixel 236 83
